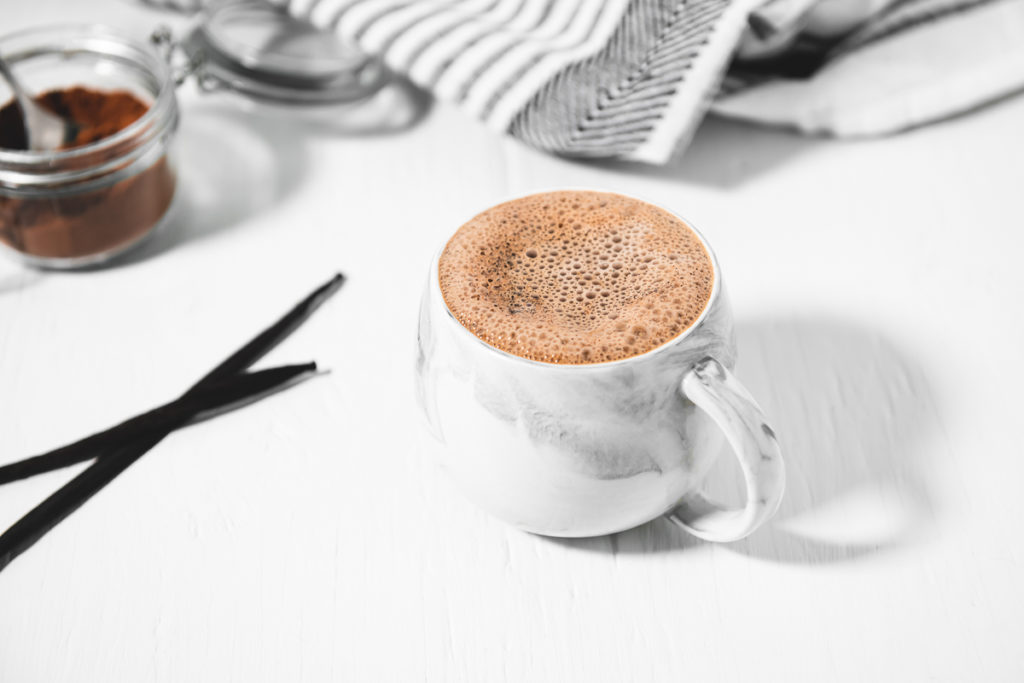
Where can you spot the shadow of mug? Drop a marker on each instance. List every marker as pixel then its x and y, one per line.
pixel 853 416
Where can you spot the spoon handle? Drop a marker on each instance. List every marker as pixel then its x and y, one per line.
pixel 43 130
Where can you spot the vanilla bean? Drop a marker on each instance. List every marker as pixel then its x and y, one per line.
pixel 48 514
pixel 216 396
pixel 52 511
pixel 266 340
pixel 241 359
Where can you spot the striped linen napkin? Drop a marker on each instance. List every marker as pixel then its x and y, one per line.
pixel 873 67
pixel 632 79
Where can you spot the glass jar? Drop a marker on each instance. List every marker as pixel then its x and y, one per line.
pixel 85 205
pixel 256 50
pixel 82 206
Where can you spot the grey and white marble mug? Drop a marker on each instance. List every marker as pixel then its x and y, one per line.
pixel 586 450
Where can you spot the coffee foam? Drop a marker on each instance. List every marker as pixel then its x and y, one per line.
pixel 576 277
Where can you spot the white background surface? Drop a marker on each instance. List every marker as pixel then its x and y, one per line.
pixel 877 287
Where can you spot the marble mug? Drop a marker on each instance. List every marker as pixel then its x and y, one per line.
pixel 587 450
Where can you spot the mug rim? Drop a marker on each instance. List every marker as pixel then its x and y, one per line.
pixel 716 287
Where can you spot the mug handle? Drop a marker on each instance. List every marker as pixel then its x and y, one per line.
pixel 717 392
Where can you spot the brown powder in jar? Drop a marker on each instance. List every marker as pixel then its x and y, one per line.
pixel 80 224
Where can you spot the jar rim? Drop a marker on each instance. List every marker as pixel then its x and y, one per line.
pixel 147 58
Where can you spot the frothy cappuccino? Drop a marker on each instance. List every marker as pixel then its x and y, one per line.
pixel 576 277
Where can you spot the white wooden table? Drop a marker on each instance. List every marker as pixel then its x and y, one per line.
pixel 311 537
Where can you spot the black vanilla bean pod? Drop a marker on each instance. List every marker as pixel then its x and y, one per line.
pixel 48 514
pixel 241 359
pixel 217 396
pixel 266 340
pixel 55 509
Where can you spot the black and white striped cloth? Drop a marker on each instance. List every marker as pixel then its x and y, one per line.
pixel 632 78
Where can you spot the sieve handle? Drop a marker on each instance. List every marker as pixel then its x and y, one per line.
pixel 717 392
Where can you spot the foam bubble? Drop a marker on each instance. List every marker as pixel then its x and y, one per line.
pixel 576 277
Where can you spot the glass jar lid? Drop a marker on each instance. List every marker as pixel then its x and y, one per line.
pixel 257 49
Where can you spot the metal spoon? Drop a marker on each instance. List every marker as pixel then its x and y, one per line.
pixel 43 130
